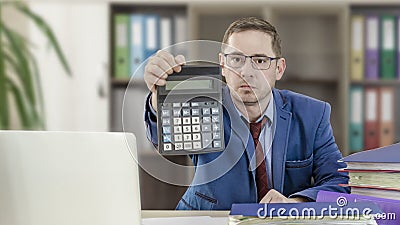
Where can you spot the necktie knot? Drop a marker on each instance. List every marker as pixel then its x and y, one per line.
pixel 255 128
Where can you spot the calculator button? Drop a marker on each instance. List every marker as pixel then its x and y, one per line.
pixel 166 105
pixel 206 139
pixel 186 120
pixel 177 121
pixel 197 145
pixel 216 127
pixel 186 112
pixel 177 129
pixel 176 112
pixel 166 121
pixel 196 137
pixel 195 104
pixel 165 113
pixel 214 111
pixel 215 119
pixel 196 128
pixel 166 130
pixel 178 146
pixel 176 105
pixel 195 112
pixel 206 127
pixel 187 137
pixel 185 104
pixel 167 138
pixel 216 135
pixel 206 111
pixel 206 119
pixel 187 145
pixel 178 137
pixel 195 120
pixel 187 129
pixel 217 144
pixel 167 147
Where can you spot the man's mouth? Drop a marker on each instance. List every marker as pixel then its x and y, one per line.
pixel 246 86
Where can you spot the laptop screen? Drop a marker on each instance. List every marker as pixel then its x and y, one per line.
pixel 66 178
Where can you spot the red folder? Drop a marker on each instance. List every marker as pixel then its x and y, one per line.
pixel 371 120
pixel 386 116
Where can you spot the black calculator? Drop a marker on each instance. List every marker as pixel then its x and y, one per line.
pixel 190 114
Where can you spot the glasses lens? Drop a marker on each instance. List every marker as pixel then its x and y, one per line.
pixel 261 62
pixel 235 61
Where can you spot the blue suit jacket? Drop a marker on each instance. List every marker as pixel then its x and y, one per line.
pixel 304 156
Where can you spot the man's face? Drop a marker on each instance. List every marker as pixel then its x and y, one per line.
pixel 247 84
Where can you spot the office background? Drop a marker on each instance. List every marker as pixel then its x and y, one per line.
pixel 325 44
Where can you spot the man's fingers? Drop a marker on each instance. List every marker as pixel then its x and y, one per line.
pixel 267 198
pixel 162 64
pixel 180 60
pixel 152 81
pixel 168 58
pixel 156 71
pixel 159 67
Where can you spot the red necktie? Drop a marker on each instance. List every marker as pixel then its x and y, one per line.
pixel 261 172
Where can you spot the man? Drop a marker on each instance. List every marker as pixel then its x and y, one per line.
pixel 291 156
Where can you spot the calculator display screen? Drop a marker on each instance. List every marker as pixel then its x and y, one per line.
pixel 189 84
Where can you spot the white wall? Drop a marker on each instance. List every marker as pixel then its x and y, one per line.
pixel 74 103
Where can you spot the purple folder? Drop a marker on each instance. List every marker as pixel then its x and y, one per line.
pixel 390 207
pixel 372 48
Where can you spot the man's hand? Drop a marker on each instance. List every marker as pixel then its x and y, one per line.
pixel 274 196
pixel 157 70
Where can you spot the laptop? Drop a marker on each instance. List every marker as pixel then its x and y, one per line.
pixel 68 178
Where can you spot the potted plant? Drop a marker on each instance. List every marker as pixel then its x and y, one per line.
pixel 19 73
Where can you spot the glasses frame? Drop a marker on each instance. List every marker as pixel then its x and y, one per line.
pixel 251 60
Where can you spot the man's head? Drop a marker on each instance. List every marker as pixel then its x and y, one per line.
pixel 252 61
pixel 255 24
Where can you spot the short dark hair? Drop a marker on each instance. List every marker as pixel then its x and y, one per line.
pixel 257 24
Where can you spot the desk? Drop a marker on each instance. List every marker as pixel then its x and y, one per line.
pixel 182 213
pixel 185 217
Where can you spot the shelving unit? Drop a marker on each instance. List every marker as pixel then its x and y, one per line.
pixel 315 41
pixel 376 85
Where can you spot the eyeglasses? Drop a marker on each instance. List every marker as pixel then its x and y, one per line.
pixel 257 62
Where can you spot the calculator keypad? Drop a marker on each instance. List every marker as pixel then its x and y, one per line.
pixel 191 126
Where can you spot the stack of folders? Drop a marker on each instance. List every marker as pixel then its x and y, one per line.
pixel 372 117
pixel 304 213
pixel 375 172
pixel 138 36
pixel 375 53
pixel 390 208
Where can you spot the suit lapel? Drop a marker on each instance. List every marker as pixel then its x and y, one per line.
pixel 280 141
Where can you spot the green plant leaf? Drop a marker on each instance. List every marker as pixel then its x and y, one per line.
pixel 4 109
pixel 22 112
pixel 17 47
pixel 36 115
pixel 45 28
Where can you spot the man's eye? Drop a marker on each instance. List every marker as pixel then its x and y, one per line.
pixel 236 59
pixel 260 60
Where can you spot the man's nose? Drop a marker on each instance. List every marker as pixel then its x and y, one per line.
pixel 247 68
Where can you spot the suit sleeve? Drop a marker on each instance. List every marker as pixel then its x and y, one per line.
pixel 325 164
pixel 150 119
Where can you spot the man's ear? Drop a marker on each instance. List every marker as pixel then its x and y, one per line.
pixel 280 68
pixel 221 63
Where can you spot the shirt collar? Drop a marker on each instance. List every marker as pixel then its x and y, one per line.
pixel 268 113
